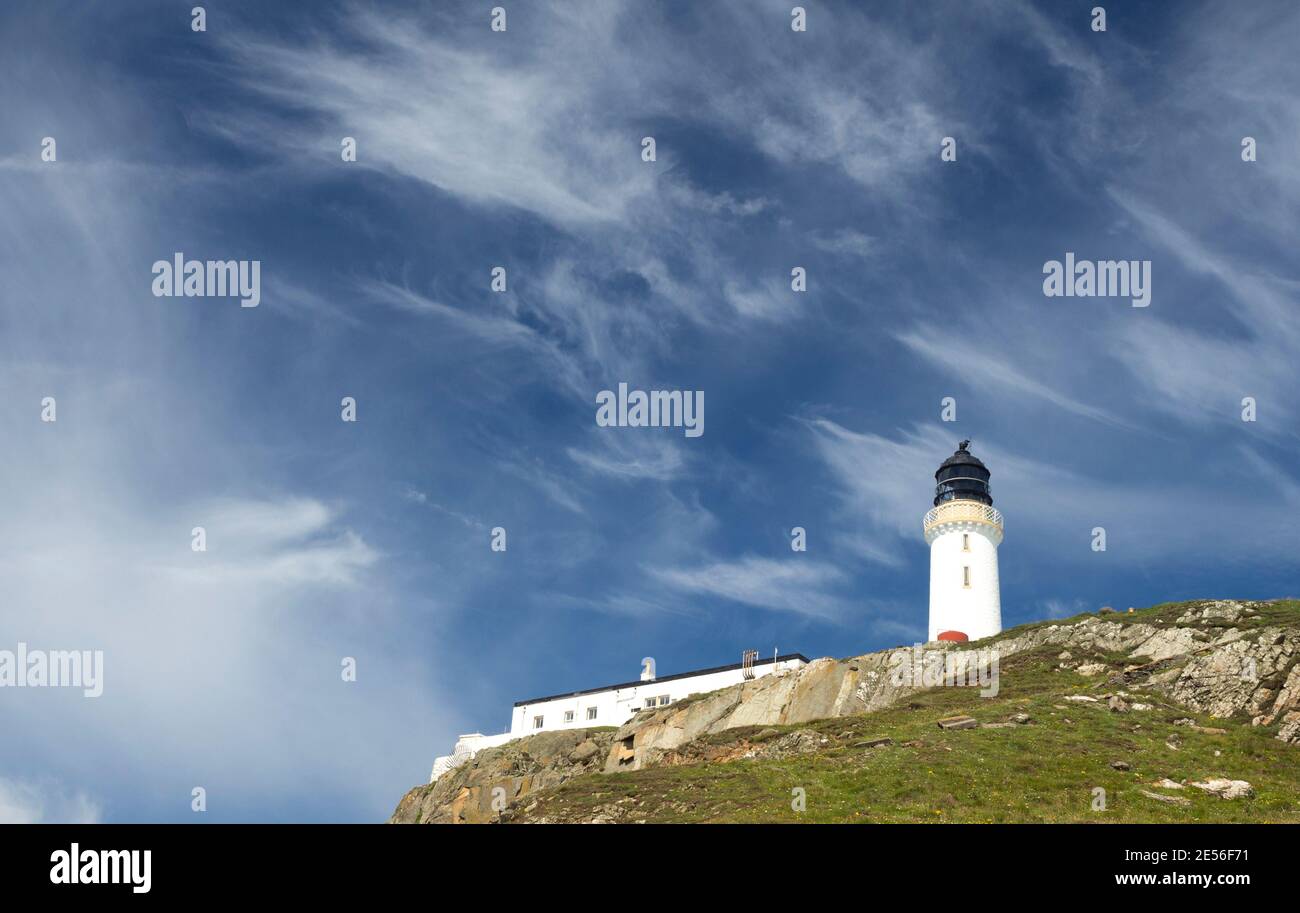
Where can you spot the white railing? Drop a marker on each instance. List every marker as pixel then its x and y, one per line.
pixel 449 762
pixel 962 512
pixel 466 747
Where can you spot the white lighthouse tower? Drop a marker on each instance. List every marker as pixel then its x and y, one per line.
pixel 963 531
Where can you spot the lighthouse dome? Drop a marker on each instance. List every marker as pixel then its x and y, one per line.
pixel 962 477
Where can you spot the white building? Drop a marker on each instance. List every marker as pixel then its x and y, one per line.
pixel 614 705
pixel 963 531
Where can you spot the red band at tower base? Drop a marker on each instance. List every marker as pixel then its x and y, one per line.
pixel 957 637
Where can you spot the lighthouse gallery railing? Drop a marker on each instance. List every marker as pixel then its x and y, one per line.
pixel 962 512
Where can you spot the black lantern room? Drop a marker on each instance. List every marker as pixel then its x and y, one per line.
pixel 962 477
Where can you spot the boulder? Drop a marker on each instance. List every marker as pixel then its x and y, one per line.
pixel 1168 644
pixel 1226 789
pixel 586 749
pixel 1171 800
pixel 958 722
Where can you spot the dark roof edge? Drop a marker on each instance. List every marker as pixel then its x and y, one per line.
pixel 663 678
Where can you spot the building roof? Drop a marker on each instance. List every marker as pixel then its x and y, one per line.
pixel 962 457
pixel 663 678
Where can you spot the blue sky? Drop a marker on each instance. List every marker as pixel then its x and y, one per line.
pixel 521 149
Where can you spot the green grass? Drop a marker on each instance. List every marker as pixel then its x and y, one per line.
pixel 1041 772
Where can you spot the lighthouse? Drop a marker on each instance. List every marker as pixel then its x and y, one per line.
pixel 963 531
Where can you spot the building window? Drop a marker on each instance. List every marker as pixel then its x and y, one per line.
pixel 537 722
pixel 965 542
pixel 649 702
pixel 663 700
pixel 965 576
pixel 591 713
pixel 568 716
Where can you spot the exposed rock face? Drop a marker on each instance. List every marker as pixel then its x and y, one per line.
pixel 824 688
pixel 760 746
pixel 1232 678
pixel 466 794
pixel 1286 707
pixel 1215 669
pixel 1209 666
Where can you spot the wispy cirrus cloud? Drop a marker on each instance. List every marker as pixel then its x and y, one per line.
pixel 995 369
pixel 846 242
pixel 494 127
pixel 281 541
pixel 626 457
pixel 1201 373
pixel 789 585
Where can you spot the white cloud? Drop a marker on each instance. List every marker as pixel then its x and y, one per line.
pixel 495 127
pixel 771 300
pixel 1224 322
pixel 791 585
pixel 1201 374
pixel 284 541
pixel 27 802
pixel 882 482
pixel 623 455
pixel 994 368
pixel 221 668
pixel 845 242
pixel 557 490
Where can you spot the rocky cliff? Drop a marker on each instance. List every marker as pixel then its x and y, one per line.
pixel 496 778
pixel 1233 660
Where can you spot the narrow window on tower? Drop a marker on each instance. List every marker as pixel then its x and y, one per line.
pixel 965 576
pixel 965 542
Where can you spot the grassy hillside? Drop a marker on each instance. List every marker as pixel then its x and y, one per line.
pixel 1041 771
